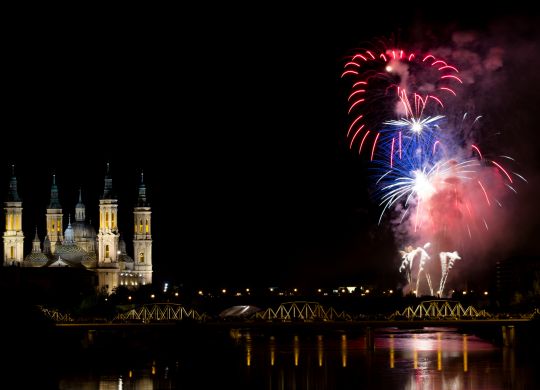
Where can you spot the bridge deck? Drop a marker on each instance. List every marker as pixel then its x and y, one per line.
pixel 403 324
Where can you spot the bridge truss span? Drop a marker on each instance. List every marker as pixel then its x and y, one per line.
pixel 56 315
pixel 440 309
pixel 302 311
pixel 163 312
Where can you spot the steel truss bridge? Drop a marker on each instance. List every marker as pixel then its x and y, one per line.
pixel 440 309
pixel 160 312
pixel 55 315
pixel 304 311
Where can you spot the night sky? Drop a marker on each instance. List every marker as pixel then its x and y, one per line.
pixel 238 121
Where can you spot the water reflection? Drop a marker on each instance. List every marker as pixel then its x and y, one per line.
pixel 272 350
pixel 251 359
pixel 296 350
pixel 465 364
pixel 391 349
pixel 432 358
pixel 320 349
pixel 439 351
pixel 344 350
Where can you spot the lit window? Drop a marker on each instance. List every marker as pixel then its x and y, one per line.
pixel 141 257
pixel 12 252
pixel 147 227
pixel 106 250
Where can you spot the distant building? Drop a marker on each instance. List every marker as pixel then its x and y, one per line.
pixel 78 245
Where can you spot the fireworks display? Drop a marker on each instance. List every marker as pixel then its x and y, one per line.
pixel 431 181
pixel 396 82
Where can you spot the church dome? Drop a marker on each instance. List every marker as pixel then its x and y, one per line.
pixel 125 257
pixel 89 260
pixel 69 235
pixel 83 230
pixel 70 252
pixel 35 260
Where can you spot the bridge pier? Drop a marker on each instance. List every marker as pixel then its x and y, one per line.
pixel 508 335
pixel 370 339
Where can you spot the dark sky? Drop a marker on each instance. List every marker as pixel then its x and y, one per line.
pixel 238 120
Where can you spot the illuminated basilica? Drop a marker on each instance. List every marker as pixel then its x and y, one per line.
pixel 78 245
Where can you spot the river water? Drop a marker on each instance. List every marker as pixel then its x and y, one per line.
pixel 429 358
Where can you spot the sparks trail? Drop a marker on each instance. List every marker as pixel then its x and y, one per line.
pixel 414 270
pixel 393 83
pixel 430 171
pixel 442 192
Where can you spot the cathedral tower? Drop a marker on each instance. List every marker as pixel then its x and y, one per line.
pixel 13 235
pixel 108 236
pixel 142 237
pixel 54 217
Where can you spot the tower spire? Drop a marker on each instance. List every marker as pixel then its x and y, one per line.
pixel 107 189
pixel 36 244
pixel 55 202
pixel 141 200
pixel 13 195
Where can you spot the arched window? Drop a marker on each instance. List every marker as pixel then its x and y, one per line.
pixel 107 218
pixel 106 251
pixel 12 251
pixel 141 257
pixel 140 226
pixel 112 220
pixel 58 225
pixel 147 227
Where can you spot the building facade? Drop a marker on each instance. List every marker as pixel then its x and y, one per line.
pixel 79 245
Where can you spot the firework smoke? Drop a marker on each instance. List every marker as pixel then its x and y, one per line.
pixel 431 177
